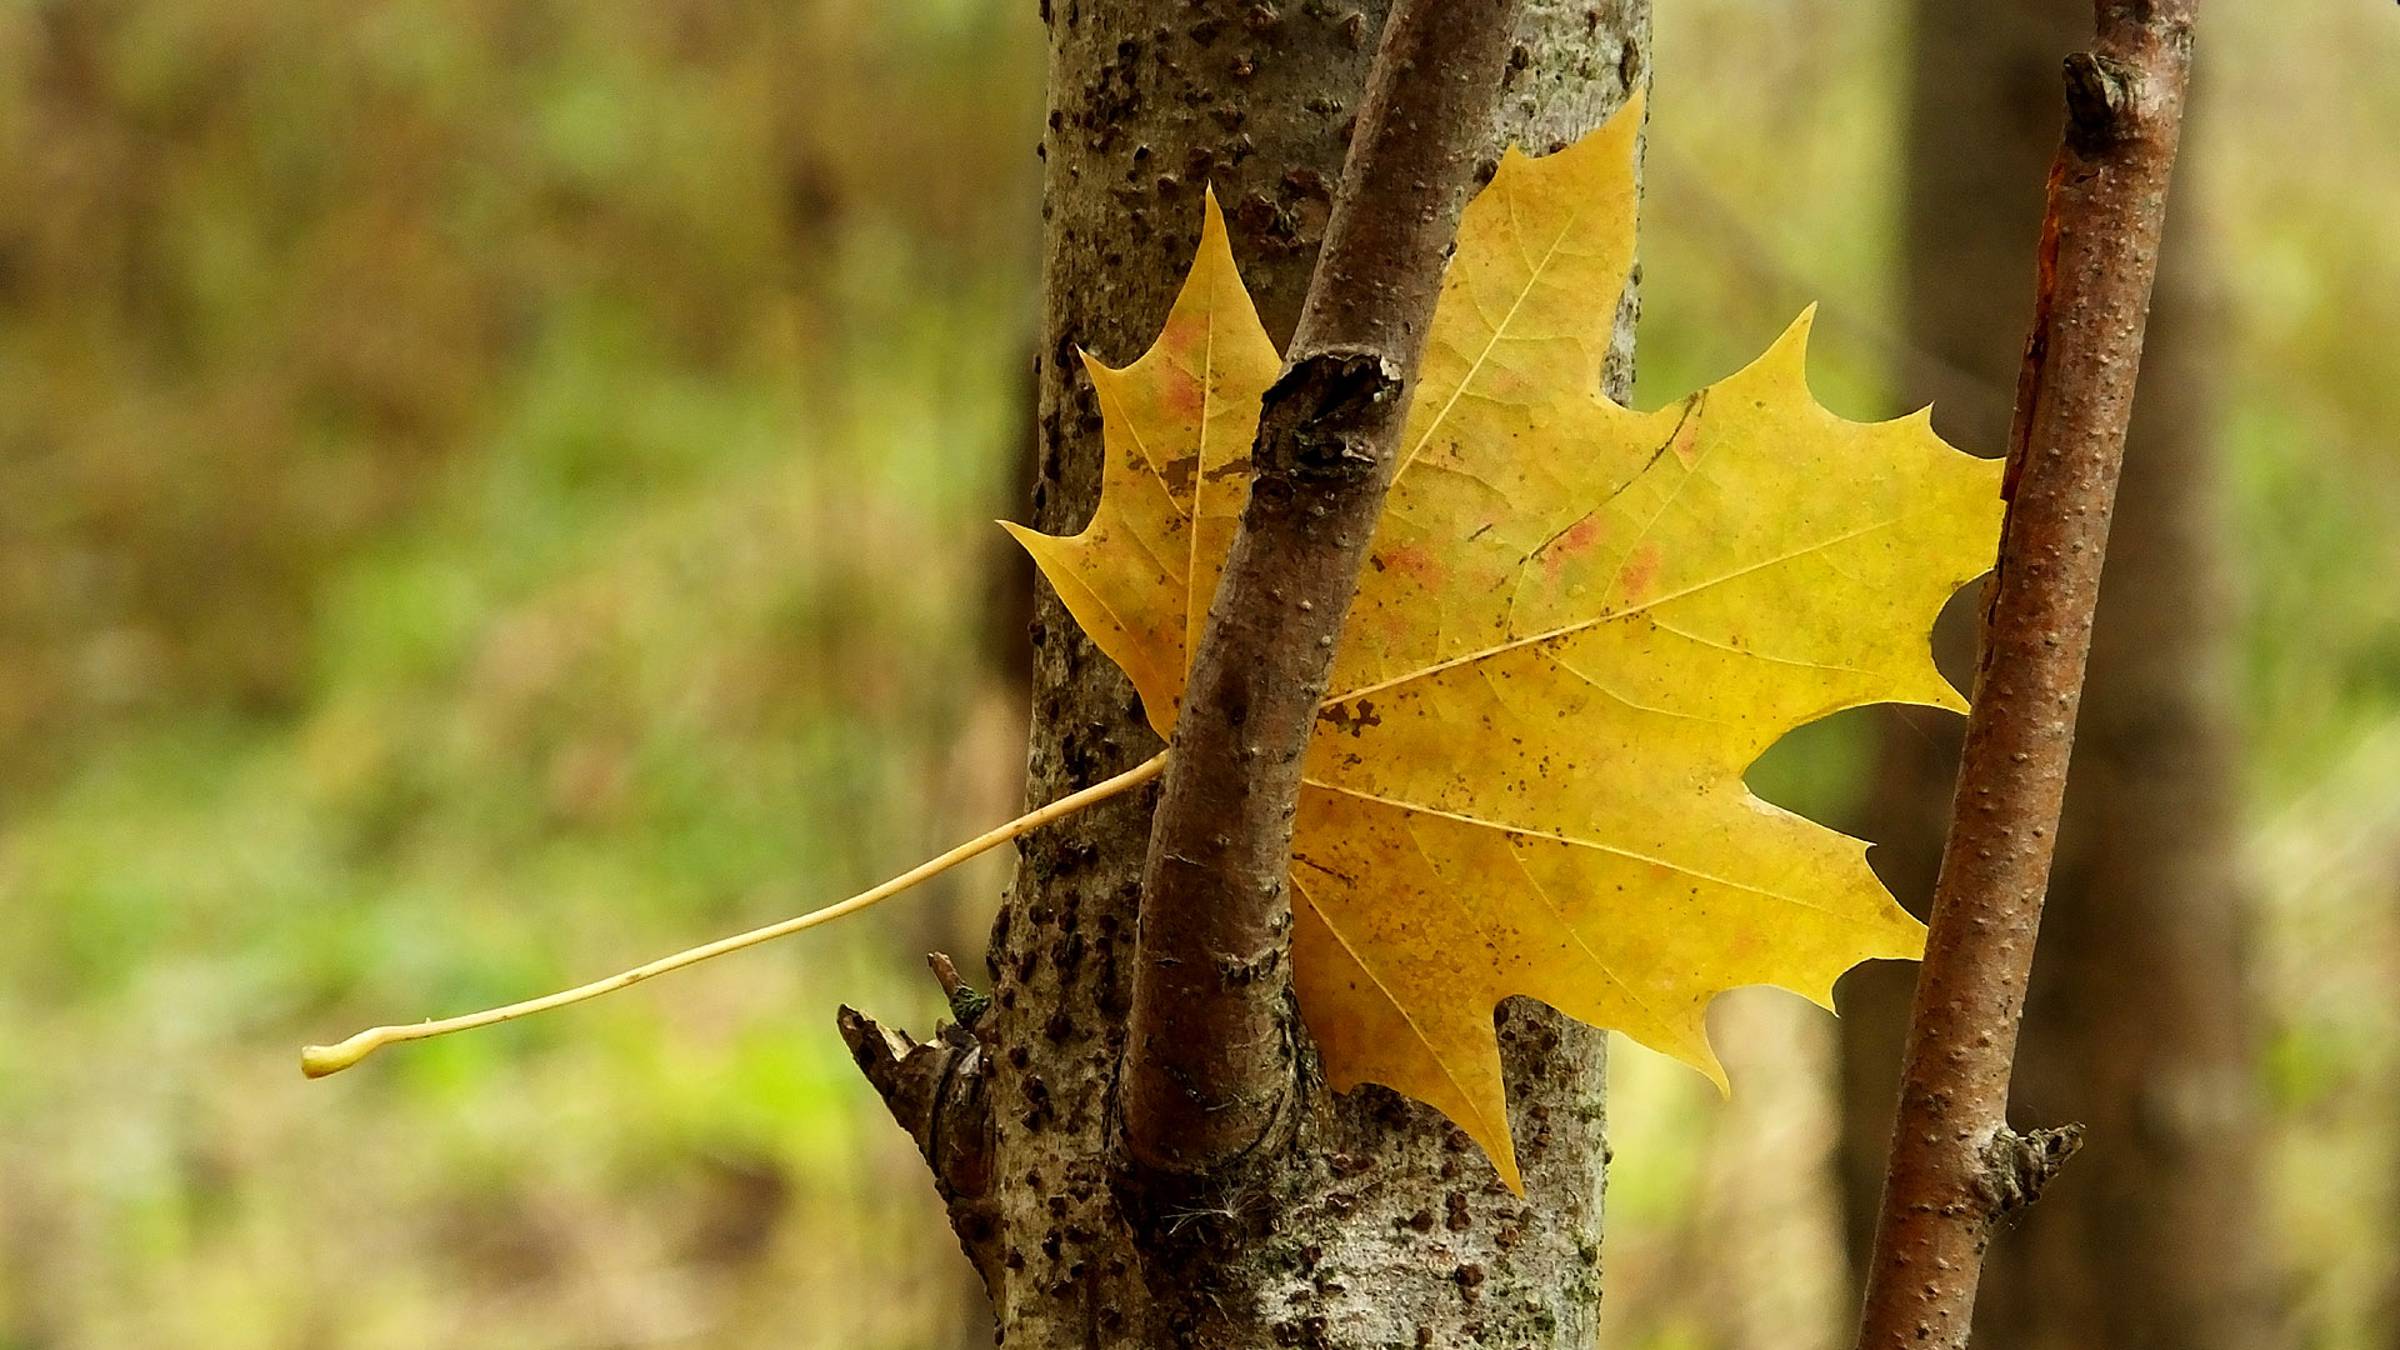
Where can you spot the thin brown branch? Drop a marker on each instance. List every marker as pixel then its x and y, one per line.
pixel 936 1090
pixel 1209 1064
pixel 1956 1168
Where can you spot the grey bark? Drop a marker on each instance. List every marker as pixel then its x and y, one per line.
pixel 1381 1226
pixel 2137 1019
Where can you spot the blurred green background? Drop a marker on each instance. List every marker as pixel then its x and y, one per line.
pixel 494 490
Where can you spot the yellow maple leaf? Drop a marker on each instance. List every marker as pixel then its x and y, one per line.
pixel 1176 428
pixel 1578 628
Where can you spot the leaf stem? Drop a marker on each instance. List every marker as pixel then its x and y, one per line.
pixel 317 1061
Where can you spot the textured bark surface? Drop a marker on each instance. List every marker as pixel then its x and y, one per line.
pixel 1956 1170
pixel 2136 1022
pixel 1383 1226
pixel 1984 117
pixel 1208 1080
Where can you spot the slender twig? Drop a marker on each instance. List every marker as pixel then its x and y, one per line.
pixel 1956 1168
pixel 937 1091
pixel 1209 1062
pixel 319 1060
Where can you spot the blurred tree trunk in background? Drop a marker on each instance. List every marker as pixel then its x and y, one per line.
pixel 1383 1226
pixel 2138 1022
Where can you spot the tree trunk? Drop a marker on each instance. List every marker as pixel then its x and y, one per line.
pixel 1383 1226
pixel 2137 1021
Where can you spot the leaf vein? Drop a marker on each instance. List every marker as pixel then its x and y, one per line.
pixel 1581 625
pixel 1359 959
pixel 1394 803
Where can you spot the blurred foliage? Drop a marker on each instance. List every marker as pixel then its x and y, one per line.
pixel 491 490
pixel 1740 229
